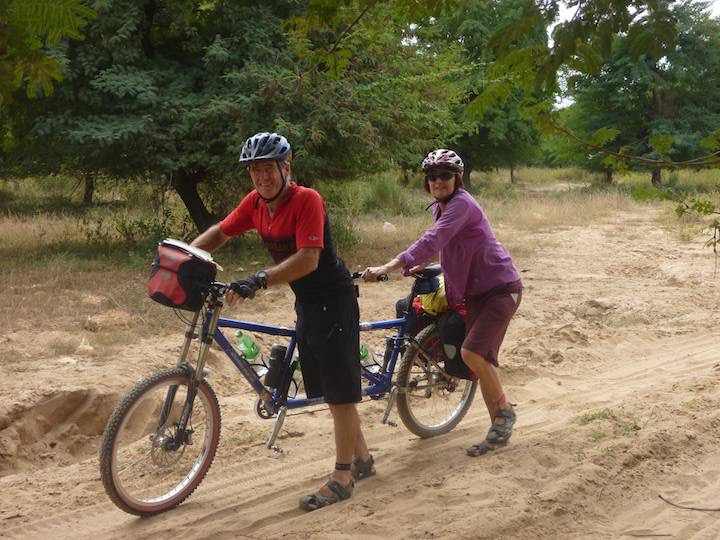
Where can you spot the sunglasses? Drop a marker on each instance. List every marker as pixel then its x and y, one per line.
pixel 445 176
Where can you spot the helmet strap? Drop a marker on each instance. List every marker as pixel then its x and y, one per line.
pixel 444 200
pixel 282 186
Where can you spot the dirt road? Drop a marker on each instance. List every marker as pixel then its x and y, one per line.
pixel 613 361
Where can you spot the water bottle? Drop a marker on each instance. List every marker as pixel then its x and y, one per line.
pixel 275 365
pixel 246 345
pixel 367 359
pixel 364 354
pixel 297 372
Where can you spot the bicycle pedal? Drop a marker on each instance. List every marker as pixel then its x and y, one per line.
pixel 391 423
pixel 275 448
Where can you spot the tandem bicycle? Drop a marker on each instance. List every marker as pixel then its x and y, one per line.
pixel 162 437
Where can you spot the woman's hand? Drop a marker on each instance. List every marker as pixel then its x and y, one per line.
pixel 417 268
pixel 372 272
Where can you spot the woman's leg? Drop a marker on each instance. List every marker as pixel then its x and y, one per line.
pixel 489 380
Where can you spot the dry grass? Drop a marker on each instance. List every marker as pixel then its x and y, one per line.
pixel 58 270
pixel 703 180
pixel 568 209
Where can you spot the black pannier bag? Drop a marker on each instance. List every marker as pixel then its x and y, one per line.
pixel 180 275
pixel 451 328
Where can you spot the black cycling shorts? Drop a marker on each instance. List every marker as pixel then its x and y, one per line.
pixel 328 339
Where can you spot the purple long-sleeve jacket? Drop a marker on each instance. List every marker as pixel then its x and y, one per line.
pixel 473 261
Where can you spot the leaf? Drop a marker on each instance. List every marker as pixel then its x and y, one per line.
pixel 712 141
pixel 661 143
pixel 604 135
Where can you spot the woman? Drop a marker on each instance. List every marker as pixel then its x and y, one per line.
pixel 478 271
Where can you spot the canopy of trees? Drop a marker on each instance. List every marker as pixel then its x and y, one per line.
pixel 167 91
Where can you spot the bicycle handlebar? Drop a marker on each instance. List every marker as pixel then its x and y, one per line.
pixel 381 277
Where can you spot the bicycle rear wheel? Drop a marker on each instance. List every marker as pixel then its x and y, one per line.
pixel 148 466
pixel 431 403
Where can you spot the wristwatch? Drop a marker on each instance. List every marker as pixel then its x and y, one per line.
pixel 262 276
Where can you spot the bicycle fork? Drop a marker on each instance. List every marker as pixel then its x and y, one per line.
pixel 197 374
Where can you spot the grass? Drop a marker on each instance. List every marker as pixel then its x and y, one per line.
pixel 56 253
pixel 592 416
pixel 621 424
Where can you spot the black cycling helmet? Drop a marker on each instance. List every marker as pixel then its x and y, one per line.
pixel 265 146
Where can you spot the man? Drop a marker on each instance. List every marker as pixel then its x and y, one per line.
pixel 293 225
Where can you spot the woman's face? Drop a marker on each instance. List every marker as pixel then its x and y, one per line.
pixel 441 183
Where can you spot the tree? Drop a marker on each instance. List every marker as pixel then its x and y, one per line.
pixel 170 91
pixel 658 108
pixel 498 135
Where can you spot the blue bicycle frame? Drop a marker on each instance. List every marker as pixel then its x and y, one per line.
pixel 379 383
pixel 275 401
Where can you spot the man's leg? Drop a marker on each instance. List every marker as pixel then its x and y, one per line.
pixel 347 429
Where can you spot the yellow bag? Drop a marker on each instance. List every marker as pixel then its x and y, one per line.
pixel 436 302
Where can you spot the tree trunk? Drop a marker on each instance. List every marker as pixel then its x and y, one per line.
pixel 608 176
pixel 512 173
pixel 89 177
pixel 656 177
pixel 466 176
pixel 405 177
pixel 185 184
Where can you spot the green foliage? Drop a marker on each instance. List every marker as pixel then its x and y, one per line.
pixel 169 91
pixel 604 135
pixel 30 29
pixel 658 110
pixel 493 130
pixel 385 195
pixel 649 193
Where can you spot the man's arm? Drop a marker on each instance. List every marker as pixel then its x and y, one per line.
pixel 297 265
pixel 211 239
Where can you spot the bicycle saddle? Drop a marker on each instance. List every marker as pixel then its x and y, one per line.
pixel 429 272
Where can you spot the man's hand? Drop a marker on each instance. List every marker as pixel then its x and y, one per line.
pixel 243 288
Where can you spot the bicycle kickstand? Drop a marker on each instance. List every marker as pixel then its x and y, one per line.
pixel 388 408
pixel 276 431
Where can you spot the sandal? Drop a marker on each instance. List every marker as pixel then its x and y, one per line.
pixel 480 449
pixel 501 433
pixel 363 469
pixel 317 500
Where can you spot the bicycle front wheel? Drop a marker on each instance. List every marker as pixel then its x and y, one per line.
pixel 430 403
pixel 147 463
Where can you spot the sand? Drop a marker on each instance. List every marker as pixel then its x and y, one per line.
pixel 612 360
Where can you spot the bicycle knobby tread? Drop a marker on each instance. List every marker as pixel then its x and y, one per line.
pixel 403 402
pixel 114 423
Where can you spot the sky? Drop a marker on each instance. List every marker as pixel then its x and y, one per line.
pixel 566 13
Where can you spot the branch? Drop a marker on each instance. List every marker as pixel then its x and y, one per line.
pixel 357 20
pixel 700 162
pixel 688 507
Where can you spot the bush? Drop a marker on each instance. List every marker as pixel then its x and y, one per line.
pixel 386 195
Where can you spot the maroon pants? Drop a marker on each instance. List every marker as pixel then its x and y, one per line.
pixel 488 317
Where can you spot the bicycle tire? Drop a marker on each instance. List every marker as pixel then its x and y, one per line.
pixel 137 414
pixel 416 400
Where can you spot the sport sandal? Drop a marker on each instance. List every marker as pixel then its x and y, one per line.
pixel 363 469
pixel 500 433
pixel 317 500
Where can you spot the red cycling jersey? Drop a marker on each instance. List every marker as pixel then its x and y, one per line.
pixel 299 221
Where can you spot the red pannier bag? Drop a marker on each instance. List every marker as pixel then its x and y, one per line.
pixel 180 275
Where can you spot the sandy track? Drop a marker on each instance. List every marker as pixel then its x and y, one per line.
pixel 612 360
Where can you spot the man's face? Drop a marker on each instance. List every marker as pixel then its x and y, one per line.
pixel 266 177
